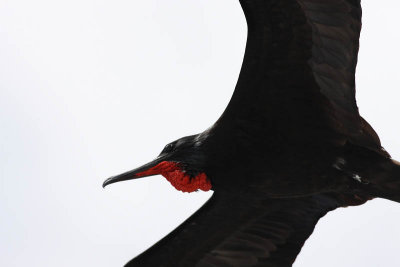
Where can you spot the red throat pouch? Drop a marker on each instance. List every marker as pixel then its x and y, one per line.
pixel 178 178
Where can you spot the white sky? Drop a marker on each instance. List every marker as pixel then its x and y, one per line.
pixel 92 88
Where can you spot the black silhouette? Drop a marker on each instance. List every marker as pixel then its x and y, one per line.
pixel 290 147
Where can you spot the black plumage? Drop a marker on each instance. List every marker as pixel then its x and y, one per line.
pixel 290 147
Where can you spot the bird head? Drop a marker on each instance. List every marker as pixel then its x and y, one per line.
pixel 180 162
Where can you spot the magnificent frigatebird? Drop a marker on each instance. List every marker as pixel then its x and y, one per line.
pixel 290 147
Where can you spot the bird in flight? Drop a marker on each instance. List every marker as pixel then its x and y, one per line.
pixel 290 146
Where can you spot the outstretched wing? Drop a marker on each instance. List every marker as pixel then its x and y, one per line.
pixel 299 64
pixel 335 26
pixel 231 230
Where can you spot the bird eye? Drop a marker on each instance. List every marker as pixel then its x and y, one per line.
pixel 168 148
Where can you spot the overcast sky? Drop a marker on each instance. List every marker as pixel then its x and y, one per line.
pixel 92 88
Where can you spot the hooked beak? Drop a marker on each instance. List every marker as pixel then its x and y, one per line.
pixel 143 171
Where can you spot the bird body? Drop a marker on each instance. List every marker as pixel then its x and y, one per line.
pixel 290 146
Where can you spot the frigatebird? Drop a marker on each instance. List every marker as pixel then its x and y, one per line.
pixel 290 146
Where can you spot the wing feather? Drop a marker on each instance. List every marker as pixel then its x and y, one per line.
pixel 335 26
pixel 300 60
pixel 233 230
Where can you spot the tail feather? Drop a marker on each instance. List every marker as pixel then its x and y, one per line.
pixel 385 181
